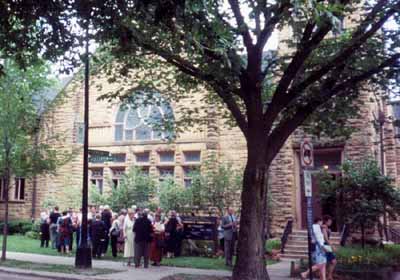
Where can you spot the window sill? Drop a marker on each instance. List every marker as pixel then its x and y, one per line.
pixel 13 201
pixel 171 163
pixel 191 163
pixel 141 142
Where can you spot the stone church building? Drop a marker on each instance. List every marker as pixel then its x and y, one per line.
pixel 124 133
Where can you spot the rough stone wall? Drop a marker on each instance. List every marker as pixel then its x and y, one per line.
pixel 63 119
pixel 18 209
pixel 216 140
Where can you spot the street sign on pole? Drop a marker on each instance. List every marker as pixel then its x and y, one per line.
pixel 307 183
pixel 307 154
pixel 307 162
pixel 309 231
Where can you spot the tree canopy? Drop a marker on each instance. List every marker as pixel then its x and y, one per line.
pixel 22 97
pixel 320 69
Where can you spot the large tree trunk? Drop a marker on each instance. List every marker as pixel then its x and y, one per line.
pixel 5 227
pixel 250 264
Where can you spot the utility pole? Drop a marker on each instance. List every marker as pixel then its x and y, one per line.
pixel 83 258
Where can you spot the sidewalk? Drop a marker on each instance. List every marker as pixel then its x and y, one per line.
pixel 279 271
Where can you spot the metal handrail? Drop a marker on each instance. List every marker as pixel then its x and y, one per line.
pixel 394 235
pixel 285 236
pixel 344 235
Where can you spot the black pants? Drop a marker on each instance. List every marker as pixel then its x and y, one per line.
pixel 105 244
pixel 178 248
pixel 114 244
pixel 142 249
pixel 43 242
pixel 97 248
pixel 78 236
pixel 71 241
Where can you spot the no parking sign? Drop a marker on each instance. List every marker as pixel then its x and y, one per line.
pixel 307 162
pixel 307 154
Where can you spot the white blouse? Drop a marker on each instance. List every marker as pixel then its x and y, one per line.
pixel 317 235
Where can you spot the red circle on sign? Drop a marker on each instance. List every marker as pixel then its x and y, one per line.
pixel 307 150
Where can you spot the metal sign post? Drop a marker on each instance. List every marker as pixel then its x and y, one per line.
pixel 307 162
pixel 308 193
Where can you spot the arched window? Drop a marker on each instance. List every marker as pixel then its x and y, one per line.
pixel 144 121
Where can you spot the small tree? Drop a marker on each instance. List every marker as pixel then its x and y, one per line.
pixel 363 193
pixel 97 198
pixel 20 155
pixel 173 196
pixel 218 187
pixel 135 188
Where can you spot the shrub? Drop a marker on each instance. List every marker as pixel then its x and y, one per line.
pixel 272 244
pixel 32 234
pixel 363 194
pixel 369 257
pixel 17 227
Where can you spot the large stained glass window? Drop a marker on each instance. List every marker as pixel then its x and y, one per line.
pixel 146 120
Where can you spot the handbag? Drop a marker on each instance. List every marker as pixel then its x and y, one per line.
pixel 328 248
pixel 116 232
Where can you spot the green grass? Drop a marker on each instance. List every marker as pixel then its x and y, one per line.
pixel 22 244
pixel 200 262
pixel 55 268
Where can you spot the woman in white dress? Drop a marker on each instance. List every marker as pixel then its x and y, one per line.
pixel 129 237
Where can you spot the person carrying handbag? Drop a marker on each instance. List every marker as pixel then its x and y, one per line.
pixel 319 251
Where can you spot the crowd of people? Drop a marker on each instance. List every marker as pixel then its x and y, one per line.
pixel 138 234
pixel 324 259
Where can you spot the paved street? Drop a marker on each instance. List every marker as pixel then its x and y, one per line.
pixel 10 276
pixel 279 271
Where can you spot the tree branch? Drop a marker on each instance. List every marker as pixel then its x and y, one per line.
pixel 283 98
pixel 278 11
pixel 355 43
pixel 284 129
pixel 242 26
pixel 280 98
pixel 222 88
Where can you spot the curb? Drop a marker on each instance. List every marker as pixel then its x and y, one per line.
pixel 48 275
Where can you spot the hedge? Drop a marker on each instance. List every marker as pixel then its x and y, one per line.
pixel 18 227
pixel 369 257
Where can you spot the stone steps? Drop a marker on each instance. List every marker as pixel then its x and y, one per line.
pixel 297 244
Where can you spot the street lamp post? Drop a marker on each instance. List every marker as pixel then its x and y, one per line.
pixel 381 120
pixel 83 258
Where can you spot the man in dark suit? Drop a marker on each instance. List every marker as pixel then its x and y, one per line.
pixel 143 236
pixel 229 225
pixel 98 233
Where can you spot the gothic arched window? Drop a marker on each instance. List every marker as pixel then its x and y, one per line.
pixel 145 120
